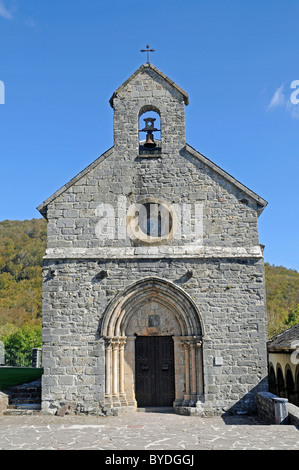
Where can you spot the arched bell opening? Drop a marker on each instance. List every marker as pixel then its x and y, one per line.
pixel 153 308
pixel 149 130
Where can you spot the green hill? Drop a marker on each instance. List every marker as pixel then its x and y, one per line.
pixel 22 247
pixel 282 293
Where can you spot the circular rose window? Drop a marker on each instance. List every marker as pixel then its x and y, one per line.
pixel 151 222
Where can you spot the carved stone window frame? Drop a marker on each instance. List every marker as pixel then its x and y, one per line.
pixel 141 238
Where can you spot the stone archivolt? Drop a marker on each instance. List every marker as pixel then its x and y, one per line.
pixel 127 317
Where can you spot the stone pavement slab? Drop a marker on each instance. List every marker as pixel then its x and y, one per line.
pixel 149 431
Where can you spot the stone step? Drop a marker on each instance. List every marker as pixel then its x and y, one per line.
pixel 156 409
pixel 25 395
pixel 24 406
pixel 24 400
pixel 19 412
pixel 25 392
pixel 24 409
pixel 21 400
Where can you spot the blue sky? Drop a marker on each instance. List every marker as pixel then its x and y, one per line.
pixel 60 62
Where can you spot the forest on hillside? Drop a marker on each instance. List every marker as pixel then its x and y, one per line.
pixel 22 247
pixel 282 294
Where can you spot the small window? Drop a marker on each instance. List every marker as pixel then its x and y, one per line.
pixel 151 222
pixel 155 220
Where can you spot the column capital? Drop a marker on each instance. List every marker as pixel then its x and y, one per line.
pixel 122 341
pixel 115 341
pixel 191 341
pixel 108 342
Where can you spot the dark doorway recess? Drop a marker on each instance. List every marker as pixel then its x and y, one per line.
pixel 154 371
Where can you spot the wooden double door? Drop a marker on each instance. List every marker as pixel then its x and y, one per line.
pixel 154 372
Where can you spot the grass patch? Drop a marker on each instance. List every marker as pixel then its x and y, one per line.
pixel 10 376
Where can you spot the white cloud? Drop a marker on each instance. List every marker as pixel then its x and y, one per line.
pixel 282 99
pixel 4 13
pixel 293 109
pixel 278 99
pixel 30 22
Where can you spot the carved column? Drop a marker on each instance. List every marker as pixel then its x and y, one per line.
pixel 122 394
pixel 187 374
pixel 199 371
pixel 108 371
pixel 193 373
pixel 115 372
pixel 193 370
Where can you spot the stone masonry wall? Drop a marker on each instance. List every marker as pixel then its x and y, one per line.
pixel 227 221
pixel 233 317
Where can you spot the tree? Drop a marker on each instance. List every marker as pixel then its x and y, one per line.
pixel 19 345
pixel 25 338
pixel 293 317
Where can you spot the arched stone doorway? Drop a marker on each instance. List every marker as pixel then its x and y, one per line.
pixel 153 307
pixel 280 382
pixel 272 380
pixel 290 385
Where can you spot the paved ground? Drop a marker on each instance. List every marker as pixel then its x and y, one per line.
pixel 143 431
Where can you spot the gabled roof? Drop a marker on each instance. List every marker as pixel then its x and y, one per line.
pixel 286 341
pixel 262 203
pixel 145 67
pixel 42 208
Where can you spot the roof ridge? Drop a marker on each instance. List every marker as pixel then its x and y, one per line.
pixel 262 202
pixel 145 67
pixel 42 208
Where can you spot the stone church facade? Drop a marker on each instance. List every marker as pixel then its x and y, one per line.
pixel 153 279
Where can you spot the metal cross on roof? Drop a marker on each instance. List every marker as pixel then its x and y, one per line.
pixel 147 50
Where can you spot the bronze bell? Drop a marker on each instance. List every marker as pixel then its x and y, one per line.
pixel 149 141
